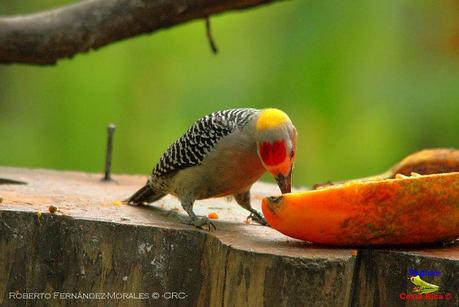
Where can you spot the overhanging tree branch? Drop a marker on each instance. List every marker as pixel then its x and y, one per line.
pixel 43 38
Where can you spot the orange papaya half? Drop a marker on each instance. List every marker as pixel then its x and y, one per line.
pixel 411 210
pixel 428 161
pixel 424 162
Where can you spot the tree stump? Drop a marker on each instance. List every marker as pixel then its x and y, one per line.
pixel 65 239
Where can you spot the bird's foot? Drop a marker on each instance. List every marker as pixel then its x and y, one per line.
pixel 201 222
pixel 257 217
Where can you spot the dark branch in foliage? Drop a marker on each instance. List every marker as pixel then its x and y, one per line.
pixel 43 38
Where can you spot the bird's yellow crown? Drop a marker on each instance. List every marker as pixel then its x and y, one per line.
pixel 271 118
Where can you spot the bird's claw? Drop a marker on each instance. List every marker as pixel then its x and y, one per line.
pixel 199 222
pixel 202 221
pixel 257 217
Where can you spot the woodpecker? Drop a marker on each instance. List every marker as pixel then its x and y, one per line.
pixel 223 154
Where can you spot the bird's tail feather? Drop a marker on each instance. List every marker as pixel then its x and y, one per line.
pixel 146 194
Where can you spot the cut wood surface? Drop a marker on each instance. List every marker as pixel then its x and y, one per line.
pixel 94 244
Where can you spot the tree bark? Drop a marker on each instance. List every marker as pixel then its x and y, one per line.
pixel 92 244
pixel 43 38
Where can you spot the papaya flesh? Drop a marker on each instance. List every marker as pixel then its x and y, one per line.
pixel 411 210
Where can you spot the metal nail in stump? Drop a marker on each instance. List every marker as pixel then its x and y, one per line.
pixel 108 156
pixel 10 181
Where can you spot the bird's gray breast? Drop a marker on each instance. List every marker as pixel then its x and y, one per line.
pixel 230 168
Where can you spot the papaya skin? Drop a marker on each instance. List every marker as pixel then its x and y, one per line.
pixel 427 162
pixel 408 211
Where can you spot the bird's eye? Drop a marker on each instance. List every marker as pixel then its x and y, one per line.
pixel 292 154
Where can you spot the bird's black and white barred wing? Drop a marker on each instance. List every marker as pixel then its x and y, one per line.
pixel 191 149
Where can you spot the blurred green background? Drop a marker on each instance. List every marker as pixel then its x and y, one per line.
pixel 365 82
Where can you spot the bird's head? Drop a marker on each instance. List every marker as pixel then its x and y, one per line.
pixel 276 144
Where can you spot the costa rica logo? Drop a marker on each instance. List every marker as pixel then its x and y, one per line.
pixel 423 290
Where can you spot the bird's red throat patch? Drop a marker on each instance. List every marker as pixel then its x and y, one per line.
pixel 273 153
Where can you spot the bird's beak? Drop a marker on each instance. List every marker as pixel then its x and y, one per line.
pixel 284 182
